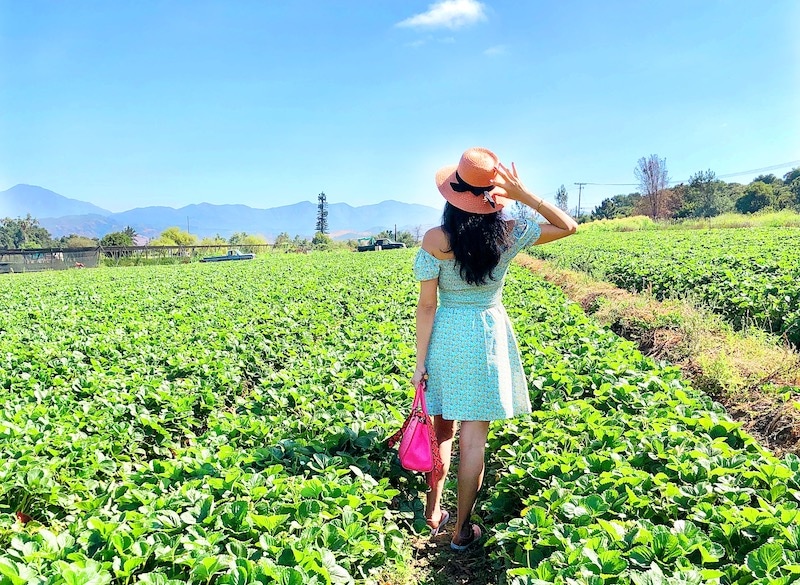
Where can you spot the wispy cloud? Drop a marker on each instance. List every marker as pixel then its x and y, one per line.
pixel 496 50
pixel 450 14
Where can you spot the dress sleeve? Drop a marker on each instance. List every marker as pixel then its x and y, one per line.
pixel 426 266
pixel 525 233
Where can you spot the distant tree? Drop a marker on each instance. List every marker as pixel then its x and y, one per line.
pixel 418 234
pixel 651 172
pixel 521 211
pixel 215 241
pixel 321 241
pixel 282 239
pixel 254 240
pixel 757 196
pixel 625 204
pixel 782 196
pixel 76 241
pixel 130 232
pixel 180 237
pixel 322 214
pixel 730 193
pixel 606 210
pixel 704 196
pixel 407 238
pixel 301 244
pixel 766 179
pixel 402 236
pixel 562 199
pixel 790 177
pixel 174 236
pixel 116 239
pixel 245 239
pixel 792 182
pixel 237 238
pixel 24 232
pixel 673 200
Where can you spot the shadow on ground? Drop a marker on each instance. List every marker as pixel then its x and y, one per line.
pixel 443 566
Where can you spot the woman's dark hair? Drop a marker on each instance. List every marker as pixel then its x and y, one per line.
pixel 477 240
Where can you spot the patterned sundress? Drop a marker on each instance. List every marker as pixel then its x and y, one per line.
pixel 474 368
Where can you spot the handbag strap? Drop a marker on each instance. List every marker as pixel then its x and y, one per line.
pixel 419 398
pixel 419 401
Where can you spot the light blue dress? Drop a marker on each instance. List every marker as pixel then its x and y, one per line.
pixel 473 363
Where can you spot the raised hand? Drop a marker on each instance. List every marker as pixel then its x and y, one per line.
pixel 510 181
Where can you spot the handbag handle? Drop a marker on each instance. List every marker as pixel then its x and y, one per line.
pixel 419 399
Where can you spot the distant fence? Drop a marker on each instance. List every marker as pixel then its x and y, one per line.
pixel 48 259
pixel 120 254
pixel 63 258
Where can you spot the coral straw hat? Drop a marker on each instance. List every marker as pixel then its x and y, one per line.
pixel 469 186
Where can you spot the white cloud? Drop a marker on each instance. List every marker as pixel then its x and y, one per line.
pixel 450 14
pixel 496 50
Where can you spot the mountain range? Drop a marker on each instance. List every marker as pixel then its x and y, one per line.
pixel 64 216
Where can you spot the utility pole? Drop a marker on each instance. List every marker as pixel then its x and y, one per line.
pixel 580 188
pixel 187 225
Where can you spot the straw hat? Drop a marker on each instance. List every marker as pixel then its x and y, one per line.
pixel 468 185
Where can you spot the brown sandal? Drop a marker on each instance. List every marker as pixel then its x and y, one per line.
pixel 473 539
pixel 443 520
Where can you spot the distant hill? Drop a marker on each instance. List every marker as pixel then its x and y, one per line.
pixel 39 202
pixel 205 219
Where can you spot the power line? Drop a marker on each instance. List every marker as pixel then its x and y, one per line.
pixel 615 184
pixel 790 163
pixel 770 168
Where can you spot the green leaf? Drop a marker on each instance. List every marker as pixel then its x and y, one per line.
pixel 338 574
pixel 765 560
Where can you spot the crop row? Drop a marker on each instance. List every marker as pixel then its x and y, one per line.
pixel 750 276
pixel 201 423
pixel 225 424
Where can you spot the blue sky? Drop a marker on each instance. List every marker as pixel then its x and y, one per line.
pixel 266 103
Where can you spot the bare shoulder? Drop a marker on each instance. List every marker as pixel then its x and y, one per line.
pixel 435 242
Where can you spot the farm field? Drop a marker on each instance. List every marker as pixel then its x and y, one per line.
pixel 226 424
pixel 750 276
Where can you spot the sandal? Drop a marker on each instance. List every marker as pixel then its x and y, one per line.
pixel 443 520
pixel 474 539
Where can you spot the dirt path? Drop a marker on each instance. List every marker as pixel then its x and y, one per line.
pixel 441 566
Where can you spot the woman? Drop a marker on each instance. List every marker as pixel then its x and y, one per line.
pixel 466 349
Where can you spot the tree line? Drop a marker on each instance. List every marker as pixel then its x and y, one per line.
pixel 703 195
pixel 26 233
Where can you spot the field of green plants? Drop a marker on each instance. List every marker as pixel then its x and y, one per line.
pixel 225 424
pixel 750 276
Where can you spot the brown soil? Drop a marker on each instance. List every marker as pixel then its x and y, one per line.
pixel 443 566
pixel 765 393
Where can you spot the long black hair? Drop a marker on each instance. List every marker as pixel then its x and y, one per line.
pixel 477 240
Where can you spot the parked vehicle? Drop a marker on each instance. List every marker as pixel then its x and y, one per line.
pixel 231 255
pixel 377 244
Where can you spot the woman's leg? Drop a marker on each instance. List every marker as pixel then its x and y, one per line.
pixel 445 431
pixel 471 449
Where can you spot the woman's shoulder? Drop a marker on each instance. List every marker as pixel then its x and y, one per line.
pixel 436 244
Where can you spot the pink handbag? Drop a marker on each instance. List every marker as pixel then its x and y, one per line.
pixel 419 449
